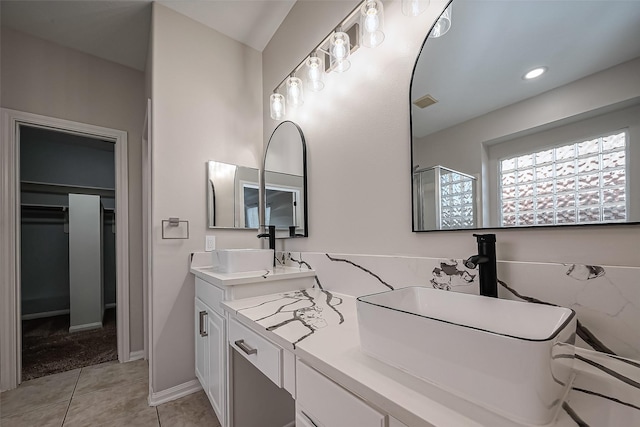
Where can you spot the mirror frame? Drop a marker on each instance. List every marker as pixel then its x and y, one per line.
pixel 263 194
pixel 477 190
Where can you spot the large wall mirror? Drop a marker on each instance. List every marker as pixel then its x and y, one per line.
pixel 232 196
pixel 492 148
pixel 285 181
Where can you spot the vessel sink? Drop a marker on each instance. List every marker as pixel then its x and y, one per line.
pixel 514 358
pixel 241 260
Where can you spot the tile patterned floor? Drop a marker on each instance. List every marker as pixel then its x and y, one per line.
pixel 109 394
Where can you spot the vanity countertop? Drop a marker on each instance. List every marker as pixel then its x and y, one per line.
pixel 208 274
pixel 321 328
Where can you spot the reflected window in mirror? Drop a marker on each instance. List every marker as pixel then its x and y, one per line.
pixel 474 112
pixel 285 181
pixel 578 183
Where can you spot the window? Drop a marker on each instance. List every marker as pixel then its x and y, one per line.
pixel 579 183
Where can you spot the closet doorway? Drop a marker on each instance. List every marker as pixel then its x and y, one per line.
pixel 65 247
pixel 67 258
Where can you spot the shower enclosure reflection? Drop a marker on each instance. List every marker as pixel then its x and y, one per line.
pixel 445 199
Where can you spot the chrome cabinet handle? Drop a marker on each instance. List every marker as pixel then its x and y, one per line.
pixel 203 333
pixel 245 348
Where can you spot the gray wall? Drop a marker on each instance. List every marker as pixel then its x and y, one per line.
pixel 206 92
pixel 41 77
pixel 359 151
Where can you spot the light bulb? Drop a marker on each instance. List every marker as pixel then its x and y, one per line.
pixel 371 23
pixel 295 93
pixel 315 73
pixel 277 104
pixel 339 49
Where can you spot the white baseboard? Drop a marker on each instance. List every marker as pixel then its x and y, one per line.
pixel 55 313
pixel 85 327
pixel 136 355
pixel 174 393
pixel 44 314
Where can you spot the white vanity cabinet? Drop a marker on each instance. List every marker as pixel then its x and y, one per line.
pixel 322 403
pixel 216 334
pixel 211 338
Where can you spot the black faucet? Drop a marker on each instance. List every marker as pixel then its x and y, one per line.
pixel 485 260
pixel 272 240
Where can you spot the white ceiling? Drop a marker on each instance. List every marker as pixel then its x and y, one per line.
pixel 477 67
pixel 118 30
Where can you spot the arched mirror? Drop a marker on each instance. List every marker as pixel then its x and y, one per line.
pixel 494 147
pixel 284 183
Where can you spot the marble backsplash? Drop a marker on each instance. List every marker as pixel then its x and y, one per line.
pixel 605 298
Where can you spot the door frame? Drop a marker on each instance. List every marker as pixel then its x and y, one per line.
pixel 10 312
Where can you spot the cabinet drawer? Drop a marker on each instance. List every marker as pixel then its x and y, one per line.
pixel 209 294
pixel 263 354
pixel 326 404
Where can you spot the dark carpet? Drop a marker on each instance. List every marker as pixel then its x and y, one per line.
pixel 49 348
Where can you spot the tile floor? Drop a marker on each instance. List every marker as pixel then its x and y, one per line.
pixel 113 394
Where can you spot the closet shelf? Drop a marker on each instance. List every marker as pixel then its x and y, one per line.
pixel 48 187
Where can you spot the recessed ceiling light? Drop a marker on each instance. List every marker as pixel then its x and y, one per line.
pixel 536 72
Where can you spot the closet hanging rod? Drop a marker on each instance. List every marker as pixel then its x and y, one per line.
pixel 57 207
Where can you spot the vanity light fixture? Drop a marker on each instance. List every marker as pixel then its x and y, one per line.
pixel 443 24
pixel 315 72
pixel 277 106
pixel 295 92
pixel 536 72
pixel 414 7
pixel 364 24
pixel 372 23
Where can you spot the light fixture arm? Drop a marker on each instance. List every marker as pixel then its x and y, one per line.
pixel 349 22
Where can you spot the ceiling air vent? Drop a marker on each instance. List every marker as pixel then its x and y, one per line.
pixel 425 101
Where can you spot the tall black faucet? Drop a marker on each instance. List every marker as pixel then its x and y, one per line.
pixel 272 240
pixel 485 260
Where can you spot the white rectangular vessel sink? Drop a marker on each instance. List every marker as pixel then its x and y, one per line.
pixel 241 260
pixel 514 358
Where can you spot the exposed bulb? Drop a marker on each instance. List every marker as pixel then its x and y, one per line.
pixel 295 93
pixel 277 104
pixel 339 50
pixel 371 23
pixel 315 73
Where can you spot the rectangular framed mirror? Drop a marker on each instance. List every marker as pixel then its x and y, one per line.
pixel 232 196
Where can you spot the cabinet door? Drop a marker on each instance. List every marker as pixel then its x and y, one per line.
pixel 202 344
pixel 217 379
pixel 323 403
